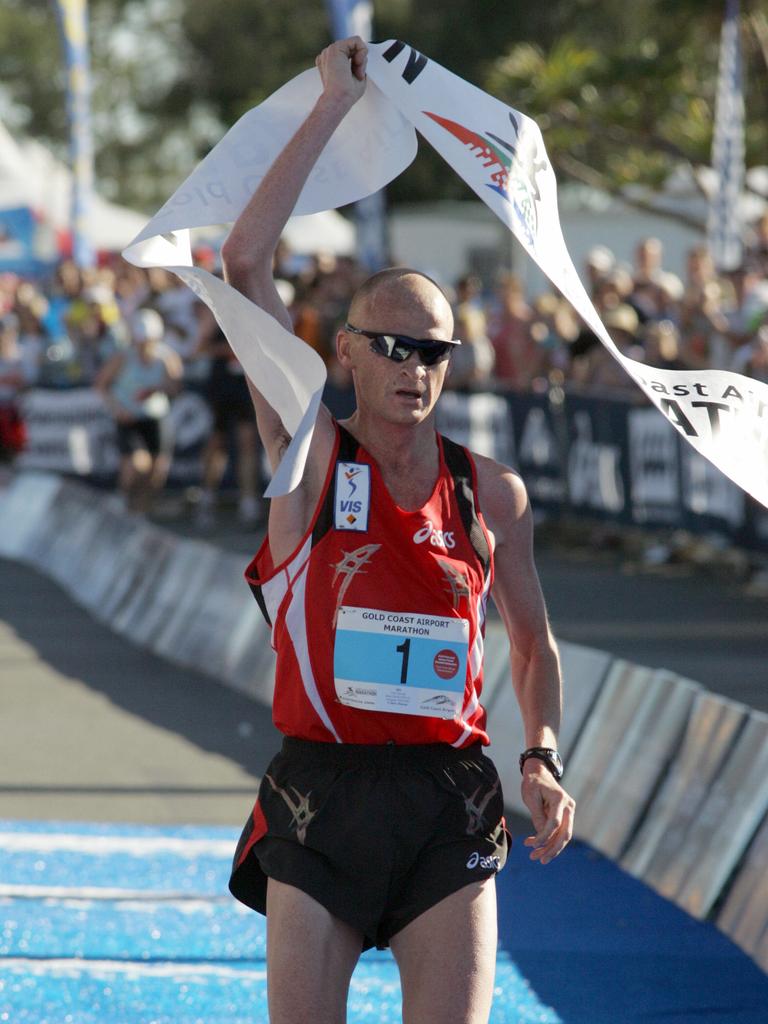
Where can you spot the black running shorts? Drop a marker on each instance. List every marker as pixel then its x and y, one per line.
pixel 376 834
pixel 151 435
pixel 230 400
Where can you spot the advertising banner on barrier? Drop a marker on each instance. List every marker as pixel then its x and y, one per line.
pixel 654 469
pixel 598 469
pixel 708 496
pixel 576 454
pixel 479 421
pixel 71 432
pixel 541 448
pixel 68 431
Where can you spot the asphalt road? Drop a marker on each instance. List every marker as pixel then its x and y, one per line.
pixel 93 728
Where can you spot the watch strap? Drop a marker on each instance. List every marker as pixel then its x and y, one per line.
pixel 548 755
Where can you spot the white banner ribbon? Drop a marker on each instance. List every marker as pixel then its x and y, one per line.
pixel 500 153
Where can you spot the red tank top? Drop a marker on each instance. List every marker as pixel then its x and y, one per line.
pixel 378 616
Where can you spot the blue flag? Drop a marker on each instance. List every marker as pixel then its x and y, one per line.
pixel 351 18
pixel 724 224
pixel 73 21
pixel 354 18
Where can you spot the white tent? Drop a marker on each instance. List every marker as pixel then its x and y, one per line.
pixel 31 176
pixel 327 231
pixel 321 232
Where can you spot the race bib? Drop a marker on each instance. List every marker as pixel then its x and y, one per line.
pixel 402 662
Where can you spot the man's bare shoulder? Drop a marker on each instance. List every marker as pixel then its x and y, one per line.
pixel 502 494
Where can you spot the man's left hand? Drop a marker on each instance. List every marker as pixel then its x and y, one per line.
pixel 552 811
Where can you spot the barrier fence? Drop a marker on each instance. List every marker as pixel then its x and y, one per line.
pixel 670 780
pixel 584 456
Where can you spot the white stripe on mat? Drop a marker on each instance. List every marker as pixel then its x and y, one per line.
pixel 79 966
pixel 137 846
pixel 93 892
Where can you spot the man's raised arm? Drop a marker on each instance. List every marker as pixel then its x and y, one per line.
pixel 248 252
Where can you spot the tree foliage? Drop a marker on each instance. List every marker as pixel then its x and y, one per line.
pixel 630 112
pixel 623 91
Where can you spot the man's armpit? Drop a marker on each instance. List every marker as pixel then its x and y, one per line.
pixel 282 440
pixel 276 444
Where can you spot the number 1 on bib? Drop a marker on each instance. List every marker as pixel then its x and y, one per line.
pixel 405 649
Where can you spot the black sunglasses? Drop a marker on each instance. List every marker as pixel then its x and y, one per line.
pixel 398 347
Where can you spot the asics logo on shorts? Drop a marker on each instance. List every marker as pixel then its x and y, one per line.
pixel 437 538
pixel 476 861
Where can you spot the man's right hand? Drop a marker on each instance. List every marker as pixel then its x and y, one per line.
pixel 342 69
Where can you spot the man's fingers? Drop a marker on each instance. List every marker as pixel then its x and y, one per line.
pixel 556 833
pixel 354 44
pixel 559 839
pixel 544 834
pixel 352 52
pixel 359 63
pixel 358 52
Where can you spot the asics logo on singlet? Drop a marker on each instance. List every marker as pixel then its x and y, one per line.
pixel 476 861
pixel 437 538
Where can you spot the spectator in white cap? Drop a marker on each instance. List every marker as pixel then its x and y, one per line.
pixel 600 263
pixel 137 386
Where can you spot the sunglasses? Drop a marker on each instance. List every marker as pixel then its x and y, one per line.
pixel 398 347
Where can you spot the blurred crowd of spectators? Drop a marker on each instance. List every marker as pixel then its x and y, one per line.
pixel 717 321
pixel 88 328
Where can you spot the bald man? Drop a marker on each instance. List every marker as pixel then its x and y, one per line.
pixel 380 822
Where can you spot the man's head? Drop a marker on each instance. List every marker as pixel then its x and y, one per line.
pixel 410 297
pixel 404 302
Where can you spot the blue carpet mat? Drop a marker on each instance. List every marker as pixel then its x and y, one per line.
pixel 124 924
pixel 602 948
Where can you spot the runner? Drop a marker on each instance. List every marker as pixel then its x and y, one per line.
pixel 380 822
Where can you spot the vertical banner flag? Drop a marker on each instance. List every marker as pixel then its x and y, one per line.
pixel 500 153
pixel 724 223
pixel 351 18
pixel 73 22
pixel 355 18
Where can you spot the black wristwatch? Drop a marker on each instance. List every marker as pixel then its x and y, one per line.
pixel 550 757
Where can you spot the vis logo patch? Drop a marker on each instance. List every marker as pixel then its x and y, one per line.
pixel 352 496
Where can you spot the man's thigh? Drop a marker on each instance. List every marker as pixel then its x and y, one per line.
pixel 310 958
pixel 447 958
